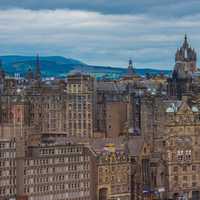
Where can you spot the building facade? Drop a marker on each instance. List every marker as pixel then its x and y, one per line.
pixel 80 106
pixel 182 151
pixel 49 171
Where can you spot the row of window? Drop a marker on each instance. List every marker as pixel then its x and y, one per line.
pixel 79 125
pixel 47 170
pixel 184 182
pixel 66 160
pixel 57 187
pixel 79 116
pixel 81 195
pixel 5 191
pixel 7 172
pixel 60 151
pixel 7 145
pixel 8 163
pixel 75 98
pixel 56 178
pixel 7 154
pixel 8 181
pixel 186 168
pixel 184 155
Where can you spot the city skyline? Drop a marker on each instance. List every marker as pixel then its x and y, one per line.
pixel 99 33
pixel 78 137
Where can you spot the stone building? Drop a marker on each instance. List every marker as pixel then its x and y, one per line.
pixel 116 118
pixel 110 109
pixel 14 117
pixel 126 169
pixel 80 105
pixel 7 168
pixel 50 109
pixel 57 171
pixel 121 139
pixel 113 169
pixel 113 185
pixel 182 152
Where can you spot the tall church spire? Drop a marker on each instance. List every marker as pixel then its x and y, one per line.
pixel 185 44
pixel 130 68
pixel 185 37
pixel 37 69
pixel 2 72
pixel 185 53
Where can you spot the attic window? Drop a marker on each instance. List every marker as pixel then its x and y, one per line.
pixel 184 155
pixel 195 109
pixel 169 110
pixel 180 155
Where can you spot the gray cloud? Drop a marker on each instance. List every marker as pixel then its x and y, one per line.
pixel 96 38
pixel 161 8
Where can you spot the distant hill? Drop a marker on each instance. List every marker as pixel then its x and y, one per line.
pixel 58 66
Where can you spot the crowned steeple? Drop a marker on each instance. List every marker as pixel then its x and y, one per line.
pixel 185 53
pixel 185 60
pixel 185 66
pixel 130 68
pixel 37 69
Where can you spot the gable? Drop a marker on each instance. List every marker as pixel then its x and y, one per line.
pixel 184 109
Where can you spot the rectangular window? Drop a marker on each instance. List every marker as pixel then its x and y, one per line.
pixel 175 169
pixel 184 168
pixel 193 168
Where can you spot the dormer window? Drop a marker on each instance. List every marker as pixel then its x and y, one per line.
pixel 180 155
pixel 188 154
pixel 184 155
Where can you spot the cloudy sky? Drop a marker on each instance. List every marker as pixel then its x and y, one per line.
pixel 101 32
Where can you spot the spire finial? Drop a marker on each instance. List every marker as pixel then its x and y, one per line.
pixel 185 43
pixel 185 37
pixel 130 63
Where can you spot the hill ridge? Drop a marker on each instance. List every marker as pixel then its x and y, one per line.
pixel 60 66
